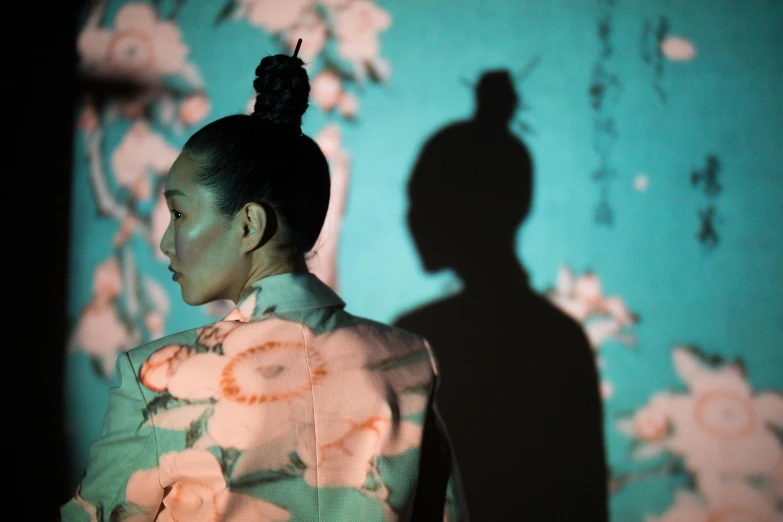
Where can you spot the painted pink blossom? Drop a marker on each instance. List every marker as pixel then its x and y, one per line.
pixel 777 479
pixel 313 31
pixel 650 425
pixel 107 281
pixel 194 109
pixel 153 322
pixel 140 46
pixel 88 120
pixel 100 334
pixel 678 49
pixel 326 90
pixel 329 139
pixel 154 318
pixel 348 105
pixel 719 427
pixel 323 260
pixel 159 222
pixel 606 389
pixel 133 108
pixel 125 231
pixel 603 317
pixel 275 16
pixel 728 501
pixel 334 4
pixel 198 492
pixel 140 152
pixel 357 26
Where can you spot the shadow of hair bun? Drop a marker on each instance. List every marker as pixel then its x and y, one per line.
pixel 282 89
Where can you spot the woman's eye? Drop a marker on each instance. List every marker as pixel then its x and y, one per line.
pixel 176 214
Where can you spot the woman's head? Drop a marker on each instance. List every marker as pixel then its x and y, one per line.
pixel 249 193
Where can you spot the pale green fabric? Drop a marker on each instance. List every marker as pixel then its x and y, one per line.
pixel 288 409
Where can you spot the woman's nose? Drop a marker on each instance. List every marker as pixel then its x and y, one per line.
pixel 166 243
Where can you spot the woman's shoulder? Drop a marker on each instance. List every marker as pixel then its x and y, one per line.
pixel 143 352
pixel 364 326
pixel 382 340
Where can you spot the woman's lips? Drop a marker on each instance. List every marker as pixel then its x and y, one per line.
pixel 176 274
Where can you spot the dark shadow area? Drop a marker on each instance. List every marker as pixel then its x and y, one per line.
pixel 38 144
pixel 519 389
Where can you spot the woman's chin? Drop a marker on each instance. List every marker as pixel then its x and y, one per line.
pixel 194 299
pixel 188 297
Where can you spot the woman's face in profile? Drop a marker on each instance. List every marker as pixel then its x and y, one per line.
pixel 203 245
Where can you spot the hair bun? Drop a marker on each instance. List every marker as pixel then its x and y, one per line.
pixel 282 89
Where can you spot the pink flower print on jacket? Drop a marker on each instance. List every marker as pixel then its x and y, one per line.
pixel 213 335
pixel 262 386
pixel 140 152
pixel 140 46
pixel 250 384
pixel 156 371
pixel 719 427
pixel 343 452
pixel 198 492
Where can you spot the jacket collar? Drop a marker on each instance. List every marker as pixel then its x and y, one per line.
pixel 283 293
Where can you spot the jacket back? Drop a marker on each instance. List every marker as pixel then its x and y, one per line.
pixel 290 408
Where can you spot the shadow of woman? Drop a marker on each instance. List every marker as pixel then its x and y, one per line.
pixel 519 391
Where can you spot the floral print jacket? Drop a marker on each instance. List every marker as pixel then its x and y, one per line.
pixel 288 409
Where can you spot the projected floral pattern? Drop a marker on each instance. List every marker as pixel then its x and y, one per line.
pixel 222 392
pixel 719 433
pixel 604 318
pixel 129 64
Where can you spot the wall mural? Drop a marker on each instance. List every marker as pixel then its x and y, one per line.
pixel 693 404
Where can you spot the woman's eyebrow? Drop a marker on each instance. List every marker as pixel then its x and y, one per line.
pixel 173 192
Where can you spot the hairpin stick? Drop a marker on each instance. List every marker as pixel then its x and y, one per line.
pixel 296 51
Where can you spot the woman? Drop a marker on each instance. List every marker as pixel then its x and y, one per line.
pixel 290 408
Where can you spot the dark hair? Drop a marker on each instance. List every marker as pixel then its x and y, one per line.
pixel 264 156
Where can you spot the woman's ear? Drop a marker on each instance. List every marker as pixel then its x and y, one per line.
pixel 259 224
